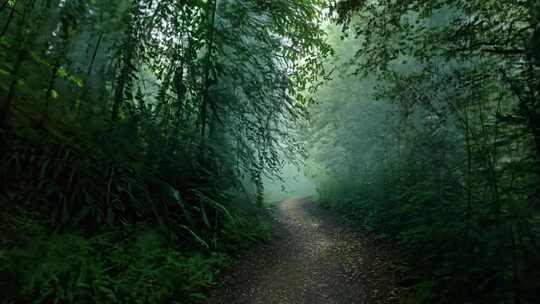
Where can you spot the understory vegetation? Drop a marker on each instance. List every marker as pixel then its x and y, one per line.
pixel 134 139
pixel 427 132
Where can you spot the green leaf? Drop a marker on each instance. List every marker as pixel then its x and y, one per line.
pixel 197 238
pixel 54 94
pixel 62 73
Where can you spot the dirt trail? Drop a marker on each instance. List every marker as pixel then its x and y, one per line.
pixel 313 259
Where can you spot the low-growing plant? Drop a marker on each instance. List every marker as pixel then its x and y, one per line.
pixel 141 266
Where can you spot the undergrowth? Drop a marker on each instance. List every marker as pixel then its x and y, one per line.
pixel 438 262
pixel 130 265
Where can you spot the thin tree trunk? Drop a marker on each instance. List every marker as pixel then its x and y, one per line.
pixel 533 116
pixel 119 92
pixel 122 81
pixel 529 112
pixel 259 190
pixel 8 22
pixel 5 104
pixel 94 55
pixel 515 267
pixel 468 147
pixel 83 93
pixel 50 88
pixel 180 90
pixel 211 12
pixel 534 126
pixel 127 63
pixel 4 5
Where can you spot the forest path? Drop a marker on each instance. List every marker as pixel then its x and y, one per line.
pixel 313 259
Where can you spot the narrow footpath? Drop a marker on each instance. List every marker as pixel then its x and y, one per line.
pixel 313 259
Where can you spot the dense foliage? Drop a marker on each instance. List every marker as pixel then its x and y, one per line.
pixel 134 136
pixel 428 132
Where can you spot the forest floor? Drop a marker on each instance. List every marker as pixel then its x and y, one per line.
pixel 314 258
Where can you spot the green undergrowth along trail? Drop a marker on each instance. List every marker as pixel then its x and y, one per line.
pixel 72 269
pixel 132 265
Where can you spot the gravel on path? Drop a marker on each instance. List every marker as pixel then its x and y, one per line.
pixel 313 259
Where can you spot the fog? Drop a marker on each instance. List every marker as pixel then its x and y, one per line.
pixel 293 183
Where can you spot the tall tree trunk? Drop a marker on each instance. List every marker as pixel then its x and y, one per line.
pixel 530 105
pixel 124 78
pixel 534 126
pixel 259 187
pixel 83 93
pixel 468 148
pixel 528 110
pixel 121 84
pixel 94 55
pixel 180 90
pixel 515 267
pixel 533 82
pixel 211 15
